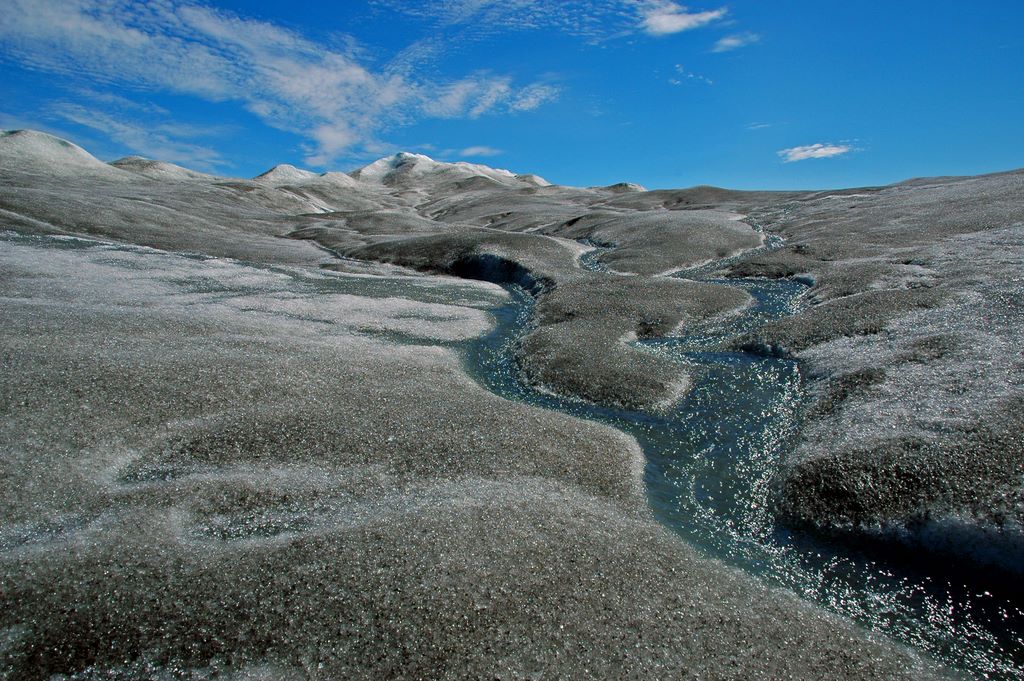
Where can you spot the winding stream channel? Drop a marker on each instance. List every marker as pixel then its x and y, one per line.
pixel 711 460
pixel 711 463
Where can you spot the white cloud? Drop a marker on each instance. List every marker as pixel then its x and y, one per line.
pixel 663 18
pixel 321 92
pixel 533 96
pixel 477 95
pixel 155 140
pixel 10 121
pixel 120 103
pixel 463 10
pixel 331 140
pixel 491 94
pixel 480 151
pixel 736 41
pixel 591 20
pixel 469 97
pixel 813 151
pixel 451 100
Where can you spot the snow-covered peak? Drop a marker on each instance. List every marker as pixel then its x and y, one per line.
pixel 384 168
pixel 407 169
pixel 158 170
pixel 34 151
pixel 402 174
pixel 341 179
pixel 624 187
pixel 285 174
pixel 535 180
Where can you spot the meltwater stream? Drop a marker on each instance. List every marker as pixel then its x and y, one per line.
pixel 711 462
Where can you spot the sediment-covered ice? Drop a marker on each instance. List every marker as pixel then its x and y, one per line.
pixel 215 464
pixel 911 344
pixel 206 492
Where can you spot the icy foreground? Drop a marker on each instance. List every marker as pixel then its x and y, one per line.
pixel 231 452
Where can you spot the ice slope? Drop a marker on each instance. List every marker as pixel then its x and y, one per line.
pixel 416 170
pixel 41 154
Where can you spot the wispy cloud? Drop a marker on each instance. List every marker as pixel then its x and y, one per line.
pixel 480 151
pixel 322 92
pixel 533 96
pixel 813 151
pixel 664 18
pixel 735 42
pixel 160 141
pixel 477 95
pixel 684 76
pixel 758 126
pixel 467 97
pixel 592 20
pixel 9 121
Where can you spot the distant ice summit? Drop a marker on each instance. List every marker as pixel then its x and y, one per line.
pixel 389 167
pixel 406 169
pixel 158 170
pixel 41 153
pixel 537 180
pixel 392 188
pixel 624 187
pixel 285 175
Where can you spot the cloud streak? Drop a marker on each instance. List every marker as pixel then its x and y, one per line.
pixel 321 92
pixel 480 151
pixel 665 18
pixel 592 20
pixel 735 42
pixel 810 151
pixel 159 141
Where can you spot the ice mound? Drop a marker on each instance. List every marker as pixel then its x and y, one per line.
pixel 285 174
pixel 537 180
pixel 159 170
pixel 340 179
pixel 39 153
pixel 405 169
pixel 324 193
pixel 383 167
pixel 663 242
pixel 624 187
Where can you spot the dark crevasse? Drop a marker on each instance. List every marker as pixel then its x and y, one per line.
pixel 712 461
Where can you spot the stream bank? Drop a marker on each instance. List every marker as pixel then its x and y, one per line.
pixel 713 461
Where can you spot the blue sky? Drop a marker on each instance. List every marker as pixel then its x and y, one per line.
pixel 745 94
